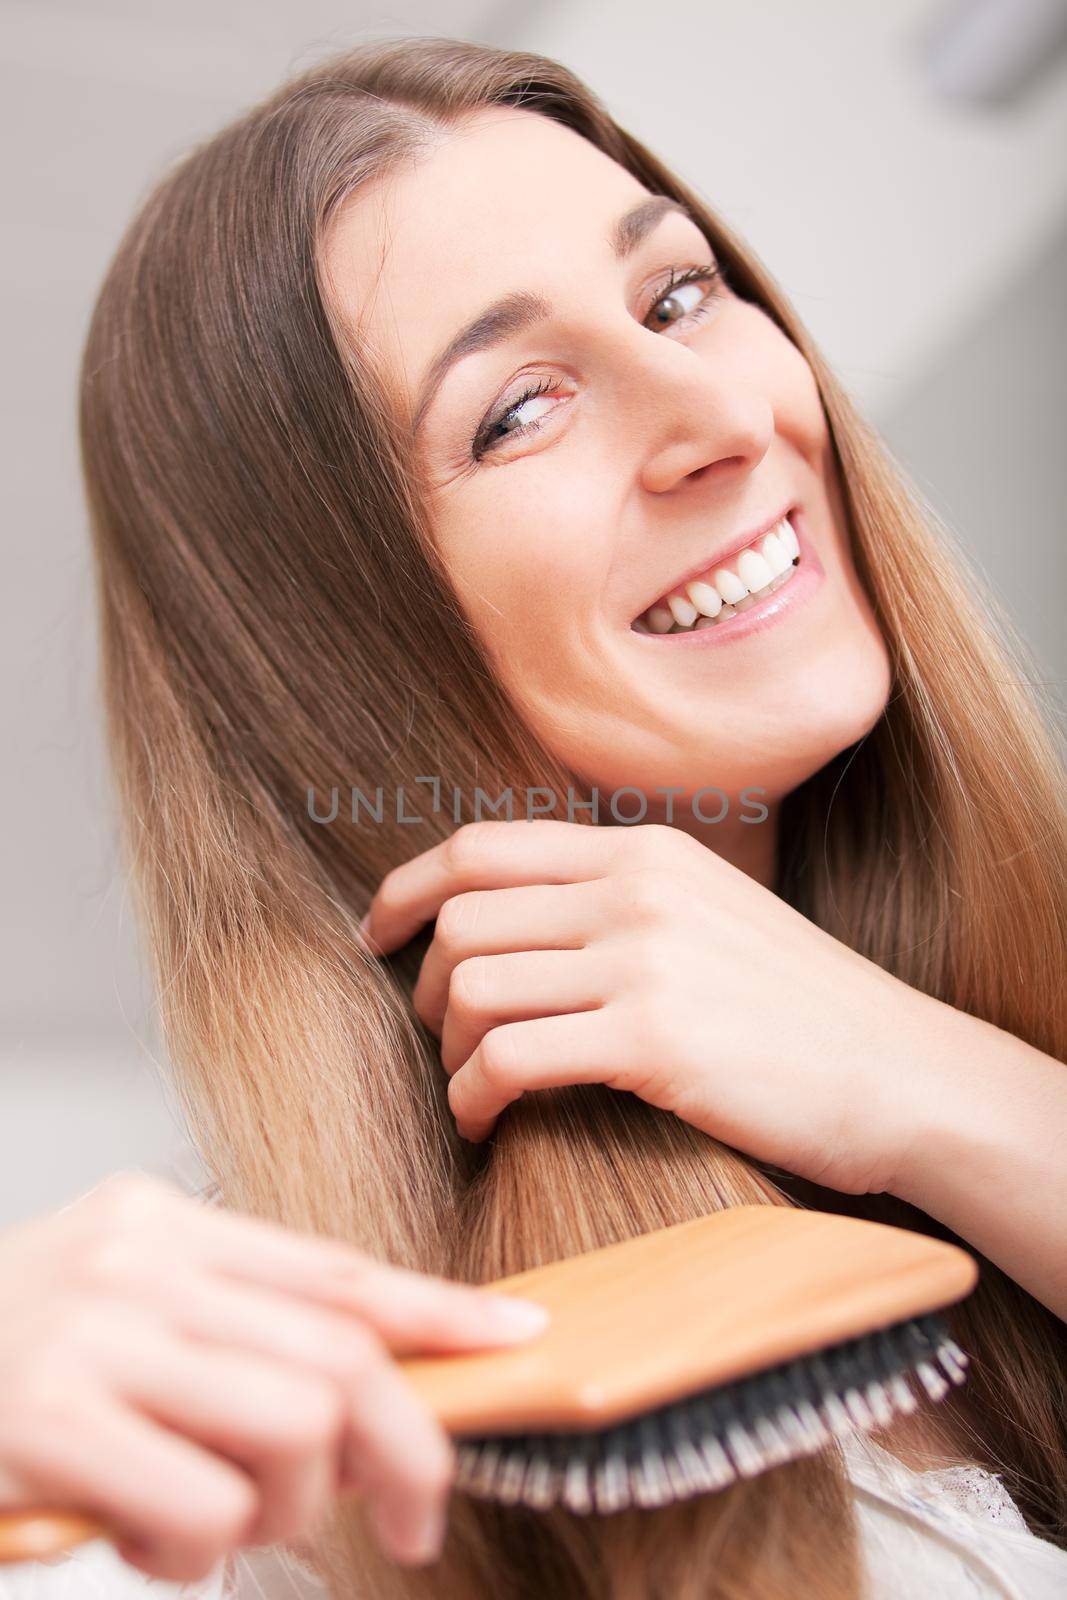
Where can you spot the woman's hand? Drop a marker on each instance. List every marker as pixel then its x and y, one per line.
pixel 638 958
pixel 200 1380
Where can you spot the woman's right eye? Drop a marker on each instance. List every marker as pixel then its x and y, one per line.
pixel 487 439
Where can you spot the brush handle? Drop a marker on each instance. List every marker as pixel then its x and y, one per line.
pixel 699 1305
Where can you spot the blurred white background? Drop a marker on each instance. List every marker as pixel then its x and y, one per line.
pixel 901 169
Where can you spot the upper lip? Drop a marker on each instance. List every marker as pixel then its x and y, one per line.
pixel 720 557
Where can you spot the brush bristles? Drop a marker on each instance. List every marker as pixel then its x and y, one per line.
pixel 709 1440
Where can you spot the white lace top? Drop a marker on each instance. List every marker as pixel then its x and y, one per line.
pixel 955 1533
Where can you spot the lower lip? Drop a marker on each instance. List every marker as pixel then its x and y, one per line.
pixel 808 576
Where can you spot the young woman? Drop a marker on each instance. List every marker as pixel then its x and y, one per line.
pixel 438 440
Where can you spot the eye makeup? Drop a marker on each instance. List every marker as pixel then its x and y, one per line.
pixel 482 442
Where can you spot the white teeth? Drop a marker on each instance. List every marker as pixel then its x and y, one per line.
pixel 683 611
pixel 774 553
pixel 705 597
pixel 729 585
pixel 756 572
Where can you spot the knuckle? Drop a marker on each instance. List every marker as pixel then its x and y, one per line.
pixel 183 1535
pixel 385 894
pixel 670 842
pixel 312 1421
pixel 642 894
pixel 129 1200
pixel 359 1357
pixel 456 920
pixel 467 985
pixel 364 1282
pixel 467 845
pixel 225 1516
pixel 109 1261
pixel 345 1263
pixel 291 1413
pixel 665 848
pixel 499 1055
pixel 653 839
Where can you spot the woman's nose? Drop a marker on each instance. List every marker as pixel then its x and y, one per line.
pixel 695 418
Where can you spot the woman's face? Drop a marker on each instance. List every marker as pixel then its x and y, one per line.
pixel 598 441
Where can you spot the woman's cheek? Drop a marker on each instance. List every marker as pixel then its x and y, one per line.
pixel 531 544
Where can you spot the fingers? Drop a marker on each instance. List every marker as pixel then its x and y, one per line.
pixel 317 1337
pixel 176 1508
pixel 487 855
pixel 544 1053
pixel 492 922
pixel 404 1463
pixel 489 990
pixel 283 1425
pixel 302 1441
pixel 411 1311
pixel 201 1380
pixel 496 922
pixel 299 1438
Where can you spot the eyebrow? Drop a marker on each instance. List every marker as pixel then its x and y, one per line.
pixel 514 312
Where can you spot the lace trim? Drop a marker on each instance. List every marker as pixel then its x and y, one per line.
pixel 965 1508
pixel 931 1529
pixel 967 1488
pixel 275 1573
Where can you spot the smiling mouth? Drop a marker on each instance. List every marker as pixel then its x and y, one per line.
pixel 713 597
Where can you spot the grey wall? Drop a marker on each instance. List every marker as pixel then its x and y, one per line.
pixel 982 430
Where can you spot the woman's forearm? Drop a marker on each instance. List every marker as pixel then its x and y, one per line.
pixel 989 1155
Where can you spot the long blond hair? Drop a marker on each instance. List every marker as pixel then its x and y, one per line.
pixel 274 619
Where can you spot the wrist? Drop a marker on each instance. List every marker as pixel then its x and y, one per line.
pixel 957 1124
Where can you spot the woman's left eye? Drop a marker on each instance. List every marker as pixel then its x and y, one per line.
pixel 686 295
pixel 679 294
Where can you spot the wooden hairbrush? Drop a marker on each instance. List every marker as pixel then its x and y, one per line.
pixel 679 1361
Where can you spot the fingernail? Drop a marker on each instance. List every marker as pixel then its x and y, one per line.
pixel 428 1535
pixel 364 923
pixel 518 1316
pixel 409 1533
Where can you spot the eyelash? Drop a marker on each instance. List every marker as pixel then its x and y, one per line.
pixel 481 445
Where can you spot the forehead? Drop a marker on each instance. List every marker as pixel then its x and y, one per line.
pixel 507 199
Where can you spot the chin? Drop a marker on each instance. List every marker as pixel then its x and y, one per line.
pixel 825 721
pixel 842 719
